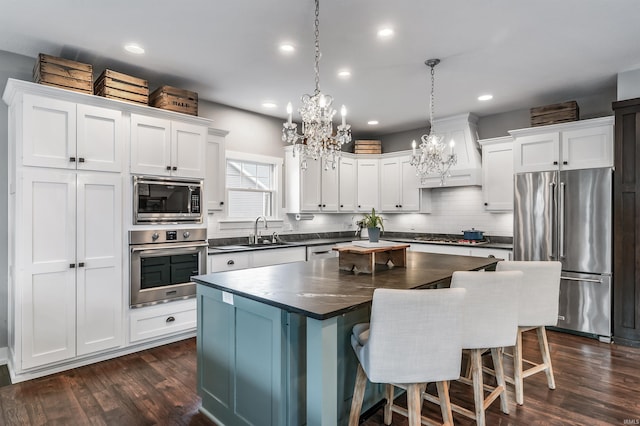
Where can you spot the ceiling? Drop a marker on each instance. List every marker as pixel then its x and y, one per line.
pixel 524 53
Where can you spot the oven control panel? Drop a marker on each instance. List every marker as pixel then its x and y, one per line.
pixel 152 236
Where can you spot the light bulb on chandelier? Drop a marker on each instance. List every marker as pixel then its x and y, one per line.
pixel 430 157
pixel 317 140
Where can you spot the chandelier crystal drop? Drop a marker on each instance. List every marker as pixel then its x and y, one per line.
pixel 317 140
pixel 433 156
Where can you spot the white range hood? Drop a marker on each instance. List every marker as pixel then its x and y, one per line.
pixel 463 130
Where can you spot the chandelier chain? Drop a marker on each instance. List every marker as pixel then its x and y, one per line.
pixel 433 98
pixel 317 46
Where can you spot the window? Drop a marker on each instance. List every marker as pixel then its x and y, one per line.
pixel 250 189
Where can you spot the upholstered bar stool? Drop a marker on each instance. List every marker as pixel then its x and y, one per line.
pixel 490 322
pixel 538 308
pixel 414 337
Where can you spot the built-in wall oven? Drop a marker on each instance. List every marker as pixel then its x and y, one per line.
pixel 162 263
pixel 158 200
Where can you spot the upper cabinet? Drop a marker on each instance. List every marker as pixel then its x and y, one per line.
pixel 71 136
pixel 216 165
pixel 313 189
pixel 497 173
pixel 399 185
pixel 580 144
pixel 368 184
pixel 347 184
pixel 164 147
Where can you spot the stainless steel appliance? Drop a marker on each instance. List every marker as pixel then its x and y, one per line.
pixel 158 200
pixel 163 262
pixel 566 216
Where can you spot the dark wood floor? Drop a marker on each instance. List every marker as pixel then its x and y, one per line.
pixel 597 384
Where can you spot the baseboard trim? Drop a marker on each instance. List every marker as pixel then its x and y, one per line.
pixel 4 355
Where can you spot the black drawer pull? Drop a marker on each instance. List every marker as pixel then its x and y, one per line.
pixel 168 167
pixel 174 168
pixel 231 262
pixel 72 265
pixel 81 265
pixel 171 319
pixel 80 160
pixel 72 159
pixel 555 163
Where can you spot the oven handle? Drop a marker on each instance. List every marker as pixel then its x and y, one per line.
pixel 149 247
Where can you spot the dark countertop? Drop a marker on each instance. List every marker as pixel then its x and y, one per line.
pixel 320 290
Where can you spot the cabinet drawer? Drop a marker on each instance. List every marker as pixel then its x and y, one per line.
pixel 157 321
pixel 278 256
pixel 228 262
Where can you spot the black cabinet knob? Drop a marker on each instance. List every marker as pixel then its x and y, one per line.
pixel 555 163
pixel 565 162
pixel 174 168
pixel 341 205
pixel 80 160
pixel 81 265
pixel 72 159
pixel 168 167
pixel 486 204
pixel 222 203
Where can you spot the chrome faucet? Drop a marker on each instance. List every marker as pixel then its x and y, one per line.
pixel 255 228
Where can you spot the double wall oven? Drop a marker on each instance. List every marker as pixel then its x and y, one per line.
pixel 163 259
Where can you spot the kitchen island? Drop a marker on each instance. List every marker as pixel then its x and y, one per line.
pixel 273 342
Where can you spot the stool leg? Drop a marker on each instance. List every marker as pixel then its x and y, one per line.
pixel 496 355
pixel 517 369
pixel 414 404
pixel 478 385
pixel 358 396
pixel 387 408
pixel 546 356
pixel 445 402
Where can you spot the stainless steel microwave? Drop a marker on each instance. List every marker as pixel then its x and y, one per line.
pixel 158 200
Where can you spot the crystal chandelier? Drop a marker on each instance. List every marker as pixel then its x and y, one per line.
pixel 431 157
pixel 317 140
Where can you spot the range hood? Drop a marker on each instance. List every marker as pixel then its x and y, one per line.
pixel 463 130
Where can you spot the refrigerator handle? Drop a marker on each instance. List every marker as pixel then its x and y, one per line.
pixel 552 203
pixel 561 220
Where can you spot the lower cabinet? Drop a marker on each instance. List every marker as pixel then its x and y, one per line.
pixel 504 254
pixel 255 258
pixel 161 320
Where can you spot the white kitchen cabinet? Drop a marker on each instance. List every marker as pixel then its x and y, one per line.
pixel 162 320
pixel 503 254
pixel 220 262
pixel 580 144
pixel 441 249
pixel 497 173
pixel 347 185
pixel 216 165
pixel 66 135
pixel 398 185
pixel 368 184
pixel 311 190
pixel 163 147
pixel 70 265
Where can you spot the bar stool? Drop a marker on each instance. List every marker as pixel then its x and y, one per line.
pixel 538 308
pixel 490 322
pixel 414 337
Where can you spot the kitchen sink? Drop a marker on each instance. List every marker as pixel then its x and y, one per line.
pixel 265 244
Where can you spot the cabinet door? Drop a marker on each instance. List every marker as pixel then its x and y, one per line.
pixel 100 139
pixel 49 132
pixel 100 285
pixel 347 185
pixel 188 150
pixel 410 183
pixel 536 153
pixel 587 148
pixel 216 164
pixel 497 177
pixel 329 187
pixel 368 184
pixel 389 185
pixel 310 187
pixel 150 145
pixel 46 283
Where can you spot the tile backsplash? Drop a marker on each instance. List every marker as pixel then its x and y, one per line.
pixel 453 210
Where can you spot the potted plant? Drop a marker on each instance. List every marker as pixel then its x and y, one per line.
pixel 373 223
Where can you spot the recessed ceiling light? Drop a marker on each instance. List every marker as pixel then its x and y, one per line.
pixel 385 32
pixel 287 48
pixel 344 73
pixel 485 97
pixel 269 104
pixel 372 122
pixel 134 48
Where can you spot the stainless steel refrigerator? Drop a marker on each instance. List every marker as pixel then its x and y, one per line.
pixel 566 216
